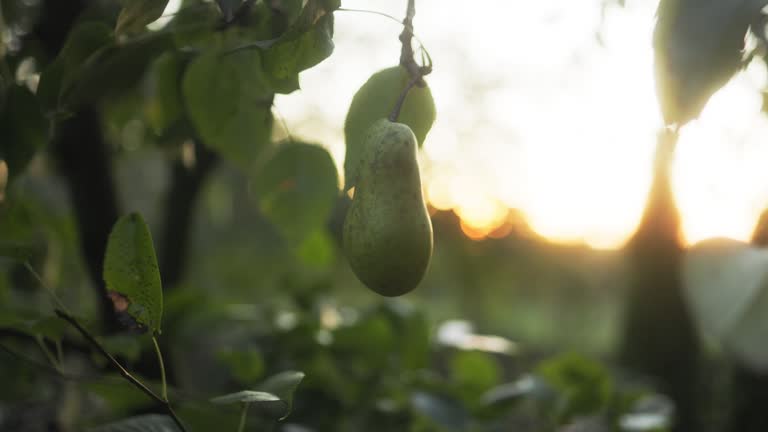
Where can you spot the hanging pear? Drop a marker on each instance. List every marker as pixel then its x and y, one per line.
pixel 375 100
pixel 387 235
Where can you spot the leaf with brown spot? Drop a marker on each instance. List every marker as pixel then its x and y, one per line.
pixel 131 272
pixel 296 189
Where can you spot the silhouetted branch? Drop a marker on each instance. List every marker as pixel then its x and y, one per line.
pixel 81 154
pixel 659 340
pixel 80 151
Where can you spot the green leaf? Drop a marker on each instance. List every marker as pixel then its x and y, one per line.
pixel 375 100
pixel 245 396
pixel 49 86
pixel 653 413
pixel 474 372
pixel 18 251
pixel 297 188
pixel 412 326
pixel 142 423
pixel 96 67
pixel 723 278
pixel 50 327
pixel 164 104
pixel 299 49
pixel 203 416
pixel 274 398
pixel 20 224
pixel 229 103
pixel 131 272
pixel 193 27
pixel 84 41
pixel 138 13
pixel 369 342
pixel 23 130
pixel 115 393
pixel 506 393
pixel 444 412
pixel 246 365
pixel 698 47
pixel 331 5
pixel 726 287
pixel 291 10
pixel 746 340
pixel 584 386
pixel 125 345
pixel 115 69
pixel 18 320
pixel 317 250
pixel 31 323
pixel 283 385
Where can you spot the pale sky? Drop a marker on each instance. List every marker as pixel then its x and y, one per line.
pixel 550 108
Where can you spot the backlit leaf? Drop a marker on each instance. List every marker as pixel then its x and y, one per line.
pixel 230 104
pixel 245 396
pixel 83 42
pixel 23 130
pixel 296 189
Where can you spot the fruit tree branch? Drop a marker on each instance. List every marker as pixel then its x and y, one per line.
pixel 124 372
pixel 406 53
pixel 407 61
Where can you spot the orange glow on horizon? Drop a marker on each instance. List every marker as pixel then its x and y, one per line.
pixel 562 130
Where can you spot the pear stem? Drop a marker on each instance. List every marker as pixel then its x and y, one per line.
pixel 406 53
pixel 401 100
pixel 407 61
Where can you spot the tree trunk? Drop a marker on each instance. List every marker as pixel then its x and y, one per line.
pixel 82 157
pixel 659 340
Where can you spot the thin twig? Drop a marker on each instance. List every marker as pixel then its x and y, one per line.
pixel 48 354
pixel 406 53
pixel 31 361
pixel 243 416
pixel 408 62
pixel 124 372
pixel 390 17
pixel 41 281
pixel 59 351
pixel 58 373
pixel 162 368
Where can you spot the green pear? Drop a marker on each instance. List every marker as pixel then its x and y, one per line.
pixel 375 100
pixel 387 235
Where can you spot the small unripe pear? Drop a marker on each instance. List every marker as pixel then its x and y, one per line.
pixel 387 234
pixel 375 100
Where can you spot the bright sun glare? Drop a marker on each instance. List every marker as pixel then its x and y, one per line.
pixel 549 108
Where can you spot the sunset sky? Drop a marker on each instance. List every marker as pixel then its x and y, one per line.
pixel 549 108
